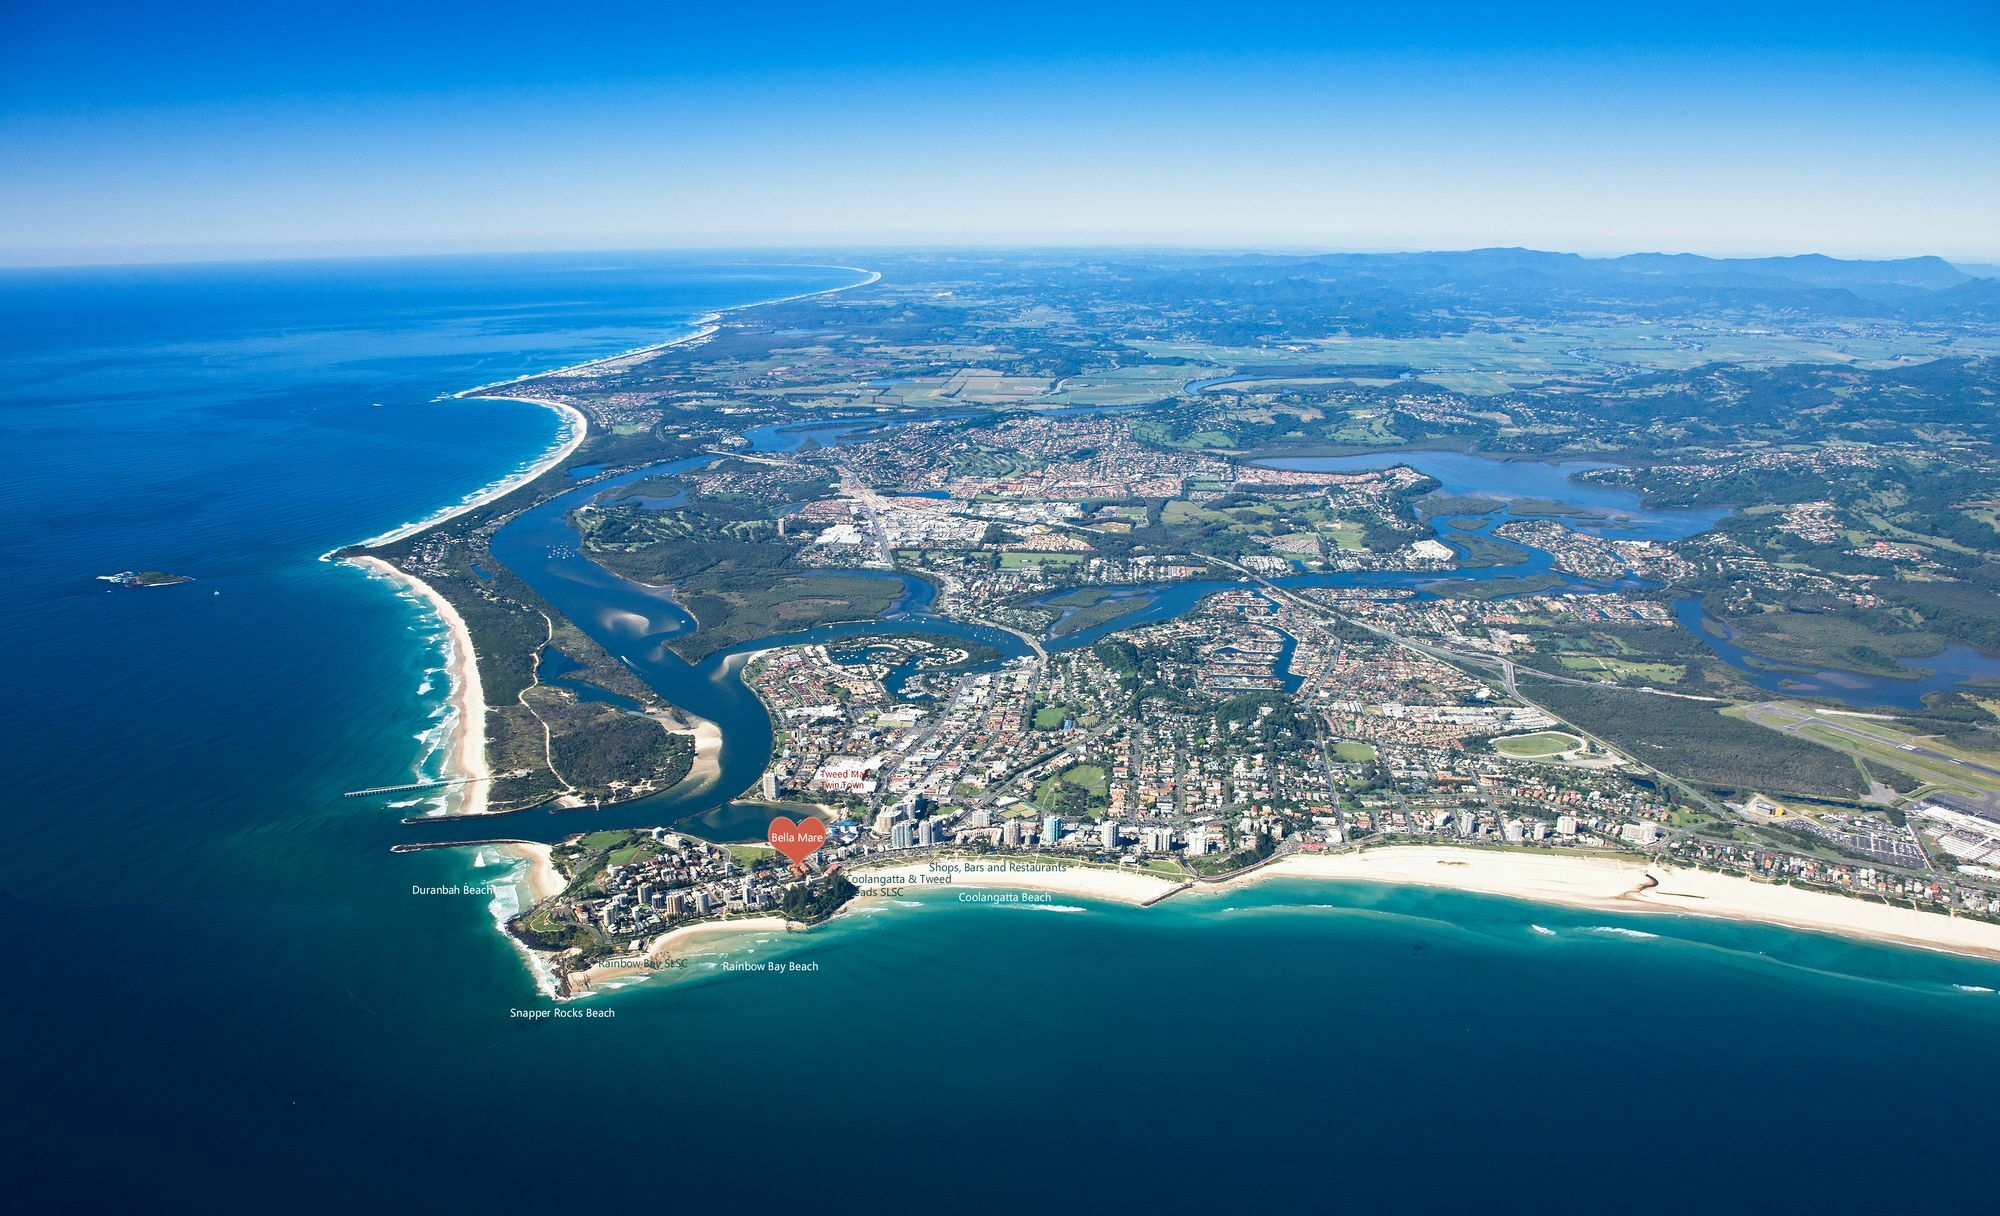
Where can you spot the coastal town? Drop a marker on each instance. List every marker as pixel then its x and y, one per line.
pixel 1261 724
pixel 1015 609
pixel 1111 625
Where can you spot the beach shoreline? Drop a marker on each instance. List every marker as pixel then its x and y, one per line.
pixel 465 748
pixel 576 425
pixel 1591 882
pixel 1597 883
pixel 644 964
pixel 540 879
pixel 1618 884
pixel 1010 872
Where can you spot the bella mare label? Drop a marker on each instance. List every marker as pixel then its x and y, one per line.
pixel 797 841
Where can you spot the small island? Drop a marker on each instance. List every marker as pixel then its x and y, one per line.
pixel 145 578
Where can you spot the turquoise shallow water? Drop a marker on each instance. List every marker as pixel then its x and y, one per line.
pixel 220 980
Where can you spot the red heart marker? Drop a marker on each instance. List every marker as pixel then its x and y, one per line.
pixel 797 841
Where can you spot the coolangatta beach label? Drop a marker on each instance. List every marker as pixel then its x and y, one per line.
pixel 797 841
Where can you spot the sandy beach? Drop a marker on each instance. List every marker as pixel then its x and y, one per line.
pixel 1573 879
pixel 467 758
pixel 1017 872
pixel 1601 883
pixel 1609 884
pixel 543 880
pixel 466 752
pixel 663 945
pixel 629 968
pixel 1614 884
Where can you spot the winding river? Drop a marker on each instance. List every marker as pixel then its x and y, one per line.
pixel 634 621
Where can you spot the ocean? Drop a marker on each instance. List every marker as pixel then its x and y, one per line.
pixel 222 986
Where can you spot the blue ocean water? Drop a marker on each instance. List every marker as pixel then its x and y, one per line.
pixel 221 985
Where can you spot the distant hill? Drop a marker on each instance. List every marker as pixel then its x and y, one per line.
pixel 1972 300
pixel 1399 292
pixel 1810 269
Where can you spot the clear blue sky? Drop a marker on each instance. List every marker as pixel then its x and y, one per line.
pixel 197 129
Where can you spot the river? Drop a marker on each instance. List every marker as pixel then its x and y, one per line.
pixel 635 622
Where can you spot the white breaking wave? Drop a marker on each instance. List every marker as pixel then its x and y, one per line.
pixel 1545 931
pixel 1619 931
pixel 1974 988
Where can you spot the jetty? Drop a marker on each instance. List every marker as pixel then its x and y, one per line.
pixel 373 790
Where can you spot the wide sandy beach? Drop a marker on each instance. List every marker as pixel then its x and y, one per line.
pixel 633 967
pixel 1616 884
pixel 1609 884
pixel 466 750
pixel 1012 872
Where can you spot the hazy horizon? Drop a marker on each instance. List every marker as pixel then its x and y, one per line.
pixel 858 250
pixel 225 131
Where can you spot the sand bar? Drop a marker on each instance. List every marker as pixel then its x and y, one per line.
pixel 707 765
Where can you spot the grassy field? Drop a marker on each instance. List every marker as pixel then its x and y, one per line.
pixel 1624 669
pixel 1015 559
pixel 1086 776
pixel 748 855
pixel 1120 386
pixel 1949 769
pixel 1049 717
pixel 1541 743
pixel 1059 792
pixel 1345 535
pixel 1353 752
